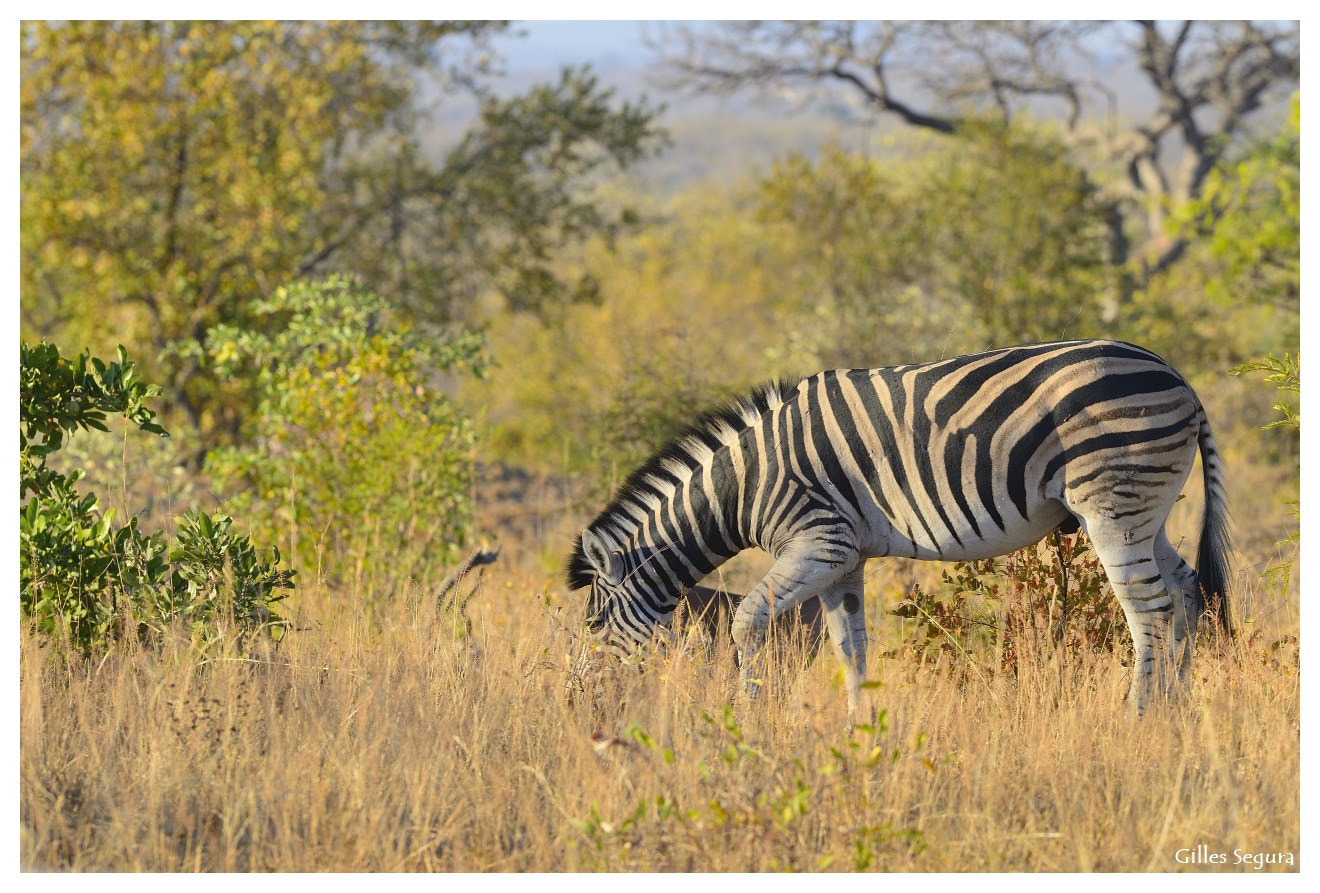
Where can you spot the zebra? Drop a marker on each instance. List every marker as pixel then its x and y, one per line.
pixel 956 459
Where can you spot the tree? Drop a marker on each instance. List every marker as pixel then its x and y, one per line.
pixel 1207 80
pixel 994 239
pixel 1244 256
pixel 697 305
pixel 174 172
pixel 844 260
pixel 1249 217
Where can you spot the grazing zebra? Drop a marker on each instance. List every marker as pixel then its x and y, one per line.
pixel 957 459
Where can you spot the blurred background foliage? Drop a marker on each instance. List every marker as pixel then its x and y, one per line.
pixel 352 307
pixel 989 237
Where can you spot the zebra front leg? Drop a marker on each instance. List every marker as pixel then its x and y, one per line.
pixel 796 576
pixel 749 637
pixel 845 618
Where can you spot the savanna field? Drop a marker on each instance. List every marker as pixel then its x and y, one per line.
pixel 395 311
pixel 389 738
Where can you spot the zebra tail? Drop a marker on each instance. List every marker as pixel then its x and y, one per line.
pixel 1216 542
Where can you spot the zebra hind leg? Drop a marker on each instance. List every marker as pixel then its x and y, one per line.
pixel 1128 557
pixel 1182 582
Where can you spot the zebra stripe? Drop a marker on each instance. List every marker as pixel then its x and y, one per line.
pixel 957 459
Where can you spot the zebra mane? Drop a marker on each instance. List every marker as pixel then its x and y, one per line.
pixel 685 453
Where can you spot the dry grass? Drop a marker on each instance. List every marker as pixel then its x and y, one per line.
pixel 376 738
pixel 378 742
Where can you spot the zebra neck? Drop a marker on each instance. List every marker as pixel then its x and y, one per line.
pixel 686 533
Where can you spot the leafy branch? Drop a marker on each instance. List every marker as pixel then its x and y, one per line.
pixel 1286 375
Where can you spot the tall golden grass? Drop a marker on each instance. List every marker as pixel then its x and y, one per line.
pixel 378 736
pixel 376 739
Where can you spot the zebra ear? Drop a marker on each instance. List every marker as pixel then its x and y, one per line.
pixel 606 561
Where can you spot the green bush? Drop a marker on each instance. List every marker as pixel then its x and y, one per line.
pixel 354 455
pixel 86 578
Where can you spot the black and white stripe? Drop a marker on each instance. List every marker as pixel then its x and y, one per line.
pixel 961 458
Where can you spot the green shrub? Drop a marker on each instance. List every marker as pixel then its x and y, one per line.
pixel 86 578
pixel 354 455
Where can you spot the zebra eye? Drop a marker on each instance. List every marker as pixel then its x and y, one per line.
pixel 596 601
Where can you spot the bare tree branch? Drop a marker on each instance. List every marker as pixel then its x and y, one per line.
pixel 476 558
pixel 772 56
pixel 1207 78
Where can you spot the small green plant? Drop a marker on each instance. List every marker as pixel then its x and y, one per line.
pixel 83 576
pixel 942 623
pixel 58 397
pixel 748 799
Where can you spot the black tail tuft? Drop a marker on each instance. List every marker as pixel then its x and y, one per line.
pixel 1216 543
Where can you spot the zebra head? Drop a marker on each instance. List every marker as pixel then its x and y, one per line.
pixel 619 616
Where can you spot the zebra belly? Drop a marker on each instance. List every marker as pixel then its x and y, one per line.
pixel 890 539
